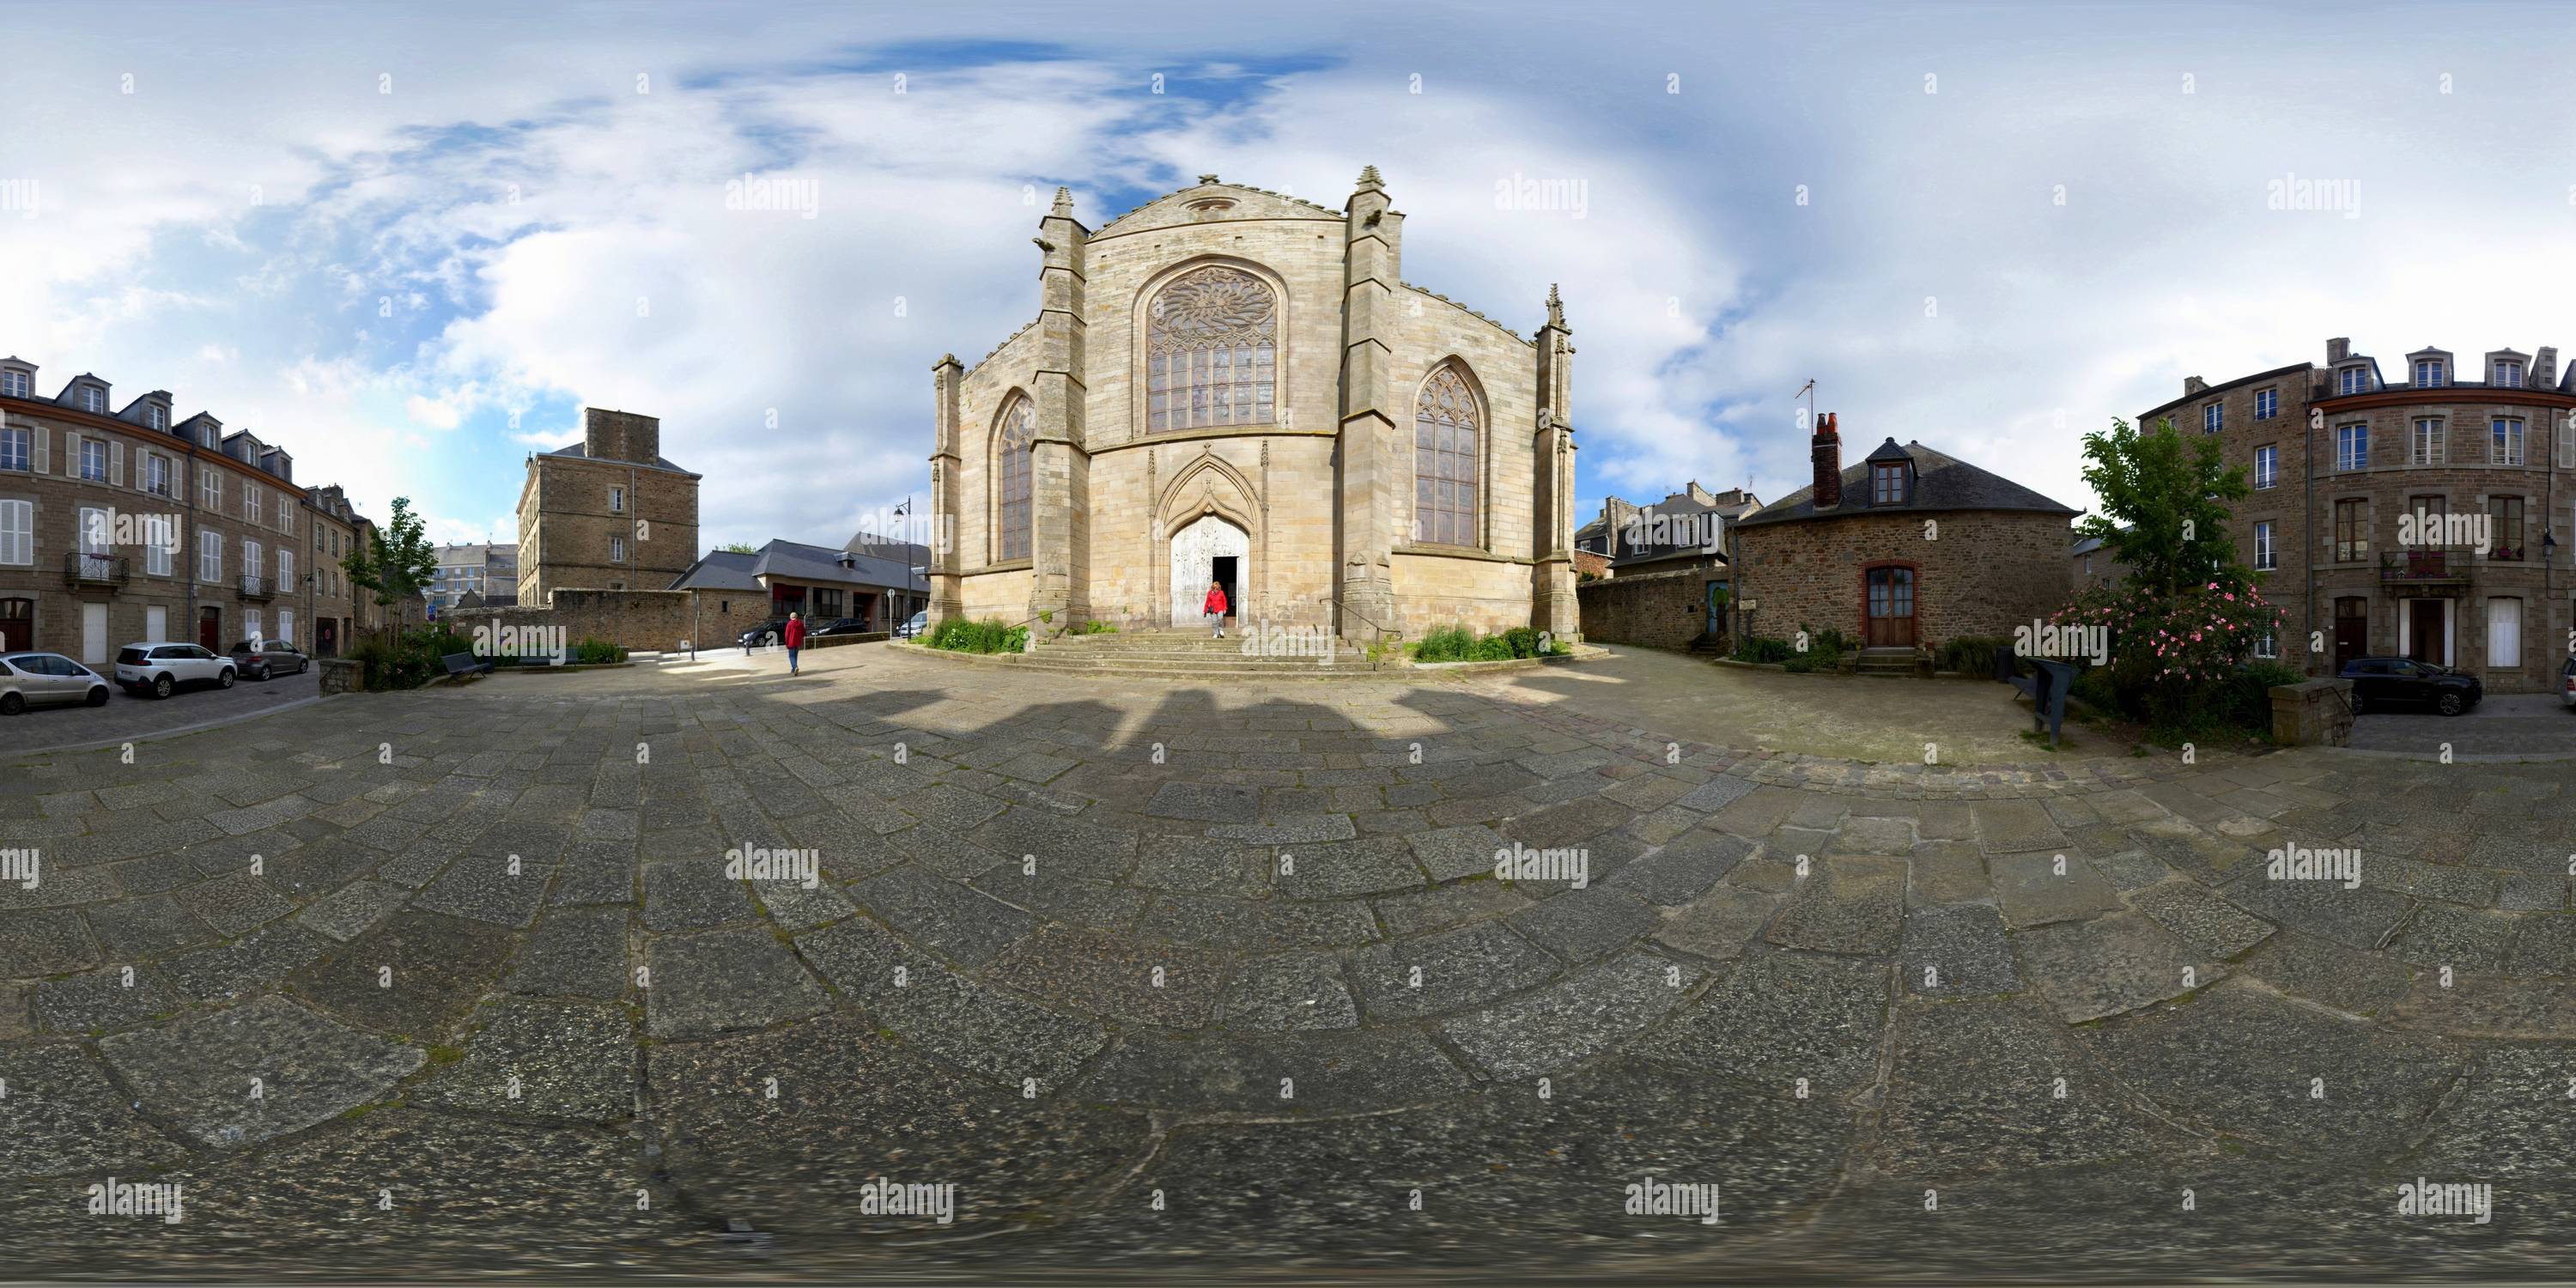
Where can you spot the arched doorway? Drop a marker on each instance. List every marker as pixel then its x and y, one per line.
pixel 1210 549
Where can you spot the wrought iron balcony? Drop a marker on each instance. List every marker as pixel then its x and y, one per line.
pixel 254 586
pixel 81 570
pixel 2430 565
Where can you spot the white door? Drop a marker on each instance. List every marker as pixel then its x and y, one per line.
pixel 156 623
pixel 1195 550
pixel 94 634
pixel 2504 634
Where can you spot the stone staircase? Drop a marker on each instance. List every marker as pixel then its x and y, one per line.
pixel 1193 654
pixel 1886 661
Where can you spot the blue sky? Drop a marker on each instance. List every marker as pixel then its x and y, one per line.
pixel 411 244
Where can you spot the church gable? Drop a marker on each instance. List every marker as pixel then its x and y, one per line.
pixel 1210 201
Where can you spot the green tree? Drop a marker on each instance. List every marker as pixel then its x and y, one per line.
pixel 2164 504
pixel 397 564
pixel 739 548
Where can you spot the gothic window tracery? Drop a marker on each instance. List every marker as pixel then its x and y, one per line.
pixel 1211 354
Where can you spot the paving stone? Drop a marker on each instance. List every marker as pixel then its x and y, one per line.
pixel 1201 865
pixel 346 913
pixel 1445 972
pixel 1960 950
pixel 484 887
pixel 2209 923
pixel 1206 802
pixel 1574 1019
pixel 1286 991
pixel 2321 970
pixel 693 894
pixel 723 980
pixel 2489 1008
pixel 1780 1017
pixel 1846 905
pixel 440 966
pixel 1311 829
pixel 2130 870
pixel 2438 936
pixel 1582 925
pixel 595 872
pixel 1450 853
pixel 65 1116
pixel 2041 887
pixel 2544 945
pixel 2091 969
pixel 963 924
pixel 2523 892
pixel 2354 918
pixel 1684 870
pixel 1116 977
pixel 573 952
pixel 542 1059
pixel 138 928
pixel 1874 836
pixel 1718 924
pixel 1335 1072
pixel 1068 846
pixel 112 997
pixel 1461 901
pixel 1568 824
pixel 236 903
pixel 1265 925
pixel 2012 827
pixel 1975 1087
pixel 250 964
pixel 1375 865
pixel 989 1031
pixel 197 1072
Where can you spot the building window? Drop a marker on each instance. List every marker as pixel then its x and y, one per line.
pixel 93 460
pixel 160 417
pixel 1211 348
pixel 2431 515
pixel 2352 531
pixel 2352 447
pixel 2212 417
pixel 210 556
pixel 2263 561
pixel 1446 428
pixel 2267 403
pixel 286 569
pixel 617 500
pixel 2508 442
pixel 1887 484
pixel 92 400
pixel 2267 467
pixel 1011 445
pixel 2504 535
pixel 2353 380
pixel 617 550
pixel 251 501
pixel 2504 634
pixel 210 489
pixel 2426 448
pixel 13 384
pixel 285 626
pixel 2508 374
pixel 2428 372
pixel 2567 446
pixel 13 448
pixel 18 533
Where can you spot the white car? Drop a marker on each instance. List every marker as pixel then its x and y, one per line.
pixel 46 679
pixel 158 668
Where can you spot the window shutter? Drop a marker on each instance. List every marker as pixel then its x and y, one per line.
pixel 116 464
pixel 44 438
pixel 2567 446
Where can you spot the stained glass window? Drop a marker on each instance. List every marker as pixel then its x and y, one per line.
pixel 1211 351
pixel 1445 424
pixel 1011 452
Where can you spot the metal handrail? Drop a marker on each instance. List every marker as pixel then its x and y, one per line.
pixel 1328 597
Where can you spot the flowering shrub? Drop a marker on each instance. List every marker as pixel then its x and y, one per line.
pixel 2171 655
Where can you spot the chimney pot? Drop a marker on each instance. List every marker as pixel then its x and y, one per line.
pixel 1827 453
pixel 2338 349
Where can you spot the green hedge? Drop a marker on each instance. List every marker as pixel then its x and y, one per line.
pixel 1969 654
pixel 596 651
pixel 1458 644
pixel 959 635
pixel 1761 648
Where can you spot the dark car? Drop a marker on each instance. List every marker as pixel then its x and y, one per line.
pixel 842 626
pixel 2384 683
pixel 272 657
pixel 2567 683
pixel 773 631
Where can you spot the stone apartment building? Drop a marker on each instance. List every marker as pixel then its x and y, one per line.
pixel 121 525
pixel 1667 579
pixel 2339 457
pixel 606 513
pixel 488 571
pixel 1907 549
pixel 332 604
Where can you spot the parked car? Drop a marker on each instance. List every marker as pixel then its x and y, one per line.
pixel 914 625
pixel 47 679
pixel 2567 683
pixel 272 657
pixel 160 667
pixel 842 626
pixel 2380 683
pixel 767 633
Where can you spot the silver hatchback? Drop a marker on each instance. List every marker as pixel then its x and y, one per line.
pixel 46 679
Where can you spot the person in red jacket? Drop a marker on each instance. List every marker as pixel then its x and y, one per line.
pixel 1216 607
pixel 795 637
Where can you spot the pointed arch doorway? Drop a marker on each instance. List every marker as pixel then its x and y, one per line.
pixel 1210 549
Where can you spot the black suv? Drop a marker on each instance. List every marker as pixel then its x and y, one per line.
pixel 843 626
pixel 773 631
pixel 2379 683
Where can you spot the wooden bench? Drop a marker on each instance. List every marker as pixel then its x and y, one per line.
pixel 2047 684
pixel 463 664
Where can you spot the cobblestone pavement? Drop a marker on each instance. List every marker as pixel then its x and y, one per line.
pixel 1170 978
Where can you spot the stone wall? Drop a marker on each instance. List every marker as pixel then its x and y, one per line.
pixel 660 620
pixel 1660 609
pixel 1984 574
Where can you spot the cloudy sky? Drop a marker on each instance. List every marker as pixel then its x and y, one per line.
pixel 409 243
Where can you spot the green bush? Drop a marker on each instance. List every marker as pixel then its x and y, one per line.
pixel 594 651
pixel 1969 654
pixel 1522 641
pixel 1458 644
pixel 1446 644
pixel 2094 688
pixel 959 635
pixel 1096 627
pixel 1760 648
pixel 1808 662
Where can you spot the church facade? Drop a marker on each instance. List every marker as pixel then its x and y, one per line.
pixel 1231 385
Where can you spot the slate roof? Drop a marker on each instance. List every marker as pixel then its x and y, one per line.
pixel 581 452
pixel 719 570
pixel 1678 505
pixel 1941 482
pixel 794 561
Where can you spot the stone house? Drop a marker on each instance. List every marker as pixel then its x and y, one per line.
pixel 606 513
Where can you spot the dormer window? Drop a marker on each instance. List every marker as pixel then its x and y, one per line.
pixel 92 399
pixel 2212 418
pixel 13 384
pixel 2428 373
pixel 2354 380
pixel 2508 375
pixel 1887 485
pixel 160 416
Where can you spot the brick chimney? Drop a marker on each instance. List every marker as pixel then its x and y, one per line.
pixel 2193 385
pixel 620 436
pixel 1828 453
pixel 2338 349
pixel 2544 368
